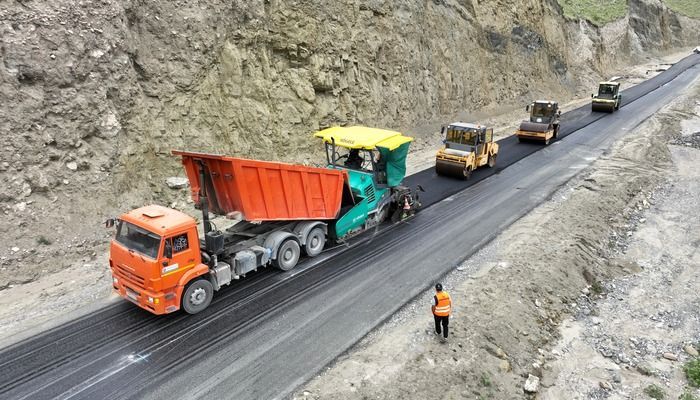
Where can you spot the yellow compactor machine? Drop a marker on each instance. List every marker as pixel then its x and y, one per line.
pixel 543 125
pixel 467 147
pixel 608 98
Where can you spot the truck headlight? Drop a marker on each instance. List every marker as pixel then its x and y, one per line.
pixel 115 280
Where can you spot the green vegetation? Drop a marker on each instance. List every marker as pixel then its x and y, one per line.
pixel 485 380
pixel 601 12
pixel 655 392
pixel 692 372
pixel 687 396
pixel 43 240
pixel 596 287
pixel 598 12
pixel 690 8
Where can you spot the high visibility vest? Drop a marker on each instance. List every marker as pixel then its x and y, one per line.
pixel 444 304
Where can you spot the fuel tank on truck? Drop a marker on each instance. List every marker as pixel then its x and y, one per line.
pixel 254 190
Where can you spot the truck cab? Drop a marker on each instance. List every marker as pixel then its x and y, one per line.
pixel 154 252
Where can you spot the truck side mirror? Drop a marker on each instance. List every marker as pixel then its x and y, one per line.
pixel 527 108
pixel 168 251
pixel 110 222
pixel 442 130
pixel 592 95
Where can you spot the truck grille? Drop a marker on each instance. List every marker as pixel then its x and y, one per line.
pixel 369 193
pixel 125 273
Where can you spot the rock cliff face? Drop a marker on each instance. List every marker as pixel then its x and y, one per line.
pixel 95 93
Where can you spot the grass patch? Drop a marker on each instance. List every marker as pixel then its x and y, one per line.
pixel 485 380
pixel 687 396
pixel 655 392
pixel 692 372
pixel 597 11
pixel 43 240
pixel 690 8
pixel 596 287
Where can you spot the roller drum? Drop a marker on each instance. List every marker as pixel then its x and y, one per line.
pixel 527 126
pixel 603 107
pixel 450 168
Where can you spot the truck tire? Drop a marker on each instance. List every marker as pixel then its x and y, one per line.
pixel 197 296
pixel 315 241
pixel 287 255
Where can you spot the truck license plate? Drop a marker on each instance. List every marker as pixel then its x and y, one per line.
pixel 133 296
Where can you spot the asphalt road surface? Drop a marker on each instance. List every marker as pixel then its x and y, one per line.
pixel 271 332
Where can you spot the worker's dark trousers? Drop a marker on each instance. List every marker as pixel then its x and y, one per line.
pixel 445 321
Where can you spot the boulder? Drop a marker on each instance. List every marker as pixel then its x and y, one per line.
pixel 532 384
pixel 177 182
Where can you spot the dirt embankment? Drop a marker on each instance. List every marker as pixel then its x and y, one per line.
pixel 94 95
pixel 585 288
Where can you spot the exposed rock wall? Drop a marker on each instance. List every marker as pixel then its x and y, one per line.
pixel 94 94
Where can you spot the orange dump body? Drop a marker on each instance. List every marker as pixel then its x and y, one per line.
pixel 263 190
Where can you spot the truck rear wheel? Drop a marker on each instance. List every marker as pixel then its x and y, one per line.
pixel 197 296
pixel 287 255
pixel 315 241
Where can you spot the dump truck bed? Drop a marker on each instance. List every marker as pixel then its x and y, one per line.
pixel 263 190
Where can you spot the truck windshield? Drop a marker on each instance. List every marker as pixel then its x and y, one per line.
pixel 606 91
pixel 462 136
pixel 540 110
pixel 138 239
pixel 358 159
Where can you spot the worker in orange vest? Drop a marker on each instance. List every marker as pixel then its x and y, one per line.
pixel 441 311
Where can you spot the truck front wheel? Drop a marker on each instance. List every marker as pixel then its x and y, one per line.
pixel 287 255
pixel 315 242
pixel 197 296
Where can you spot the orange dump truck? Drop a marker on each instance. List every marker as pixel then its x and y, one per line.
pixel 159 262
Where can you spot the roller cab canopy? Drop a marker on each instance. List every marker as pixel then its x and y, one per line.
pixel 608 90
pixel 360 137
pixel 392 146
